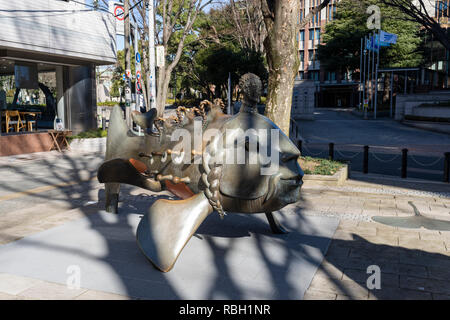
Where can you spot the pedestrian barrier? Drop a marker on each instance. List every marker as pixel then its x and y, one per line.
pixel 394 153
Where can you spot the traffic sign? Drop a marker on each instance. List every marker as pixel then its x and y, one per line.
pixel 138 75
pixel 128 73
pixel 119 12
pixel 138 57
pixel 138 86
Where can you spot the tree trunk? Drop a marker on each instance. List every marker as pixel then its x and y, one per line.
pixel 162 88
pixel 282 58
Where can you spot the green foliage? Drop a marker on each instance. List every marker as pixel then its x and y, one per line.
pixel 213 64
pixel 107 103
pixel 342 37
pixel 94 133
pixel 320 166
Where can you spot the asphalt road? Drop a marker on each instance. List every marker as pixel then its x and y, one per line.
pixel 386 139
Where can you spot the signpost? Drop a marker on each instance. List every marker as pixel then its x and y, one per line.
pixel 118 10
pixel 151 47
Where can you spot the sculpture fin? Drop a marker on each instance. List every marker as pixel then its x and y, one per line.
pixel 144 120
pixel 122 171
pixel 167 227
pixel 121 143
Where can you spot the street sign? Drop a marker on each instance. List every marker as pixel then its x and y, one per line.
pixel 138 57
pixel 138 75
pixel 138 86
pixel 116 8
pixel 366 103
pixel 160 56
pixel 119 12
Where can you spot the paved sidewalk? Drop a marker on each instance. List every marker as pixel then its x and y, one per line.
pixel 414 263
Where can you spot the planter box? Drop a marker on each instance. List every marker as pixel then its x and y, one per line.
pixel 89 145
pixel 338 179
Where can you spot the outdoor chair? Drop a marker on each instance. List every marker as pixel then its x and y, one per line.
pixel 13 120
pixel 31 120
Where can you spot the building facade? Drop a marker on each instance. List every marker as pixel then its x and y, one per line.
pixel 63 38
pixel 334 89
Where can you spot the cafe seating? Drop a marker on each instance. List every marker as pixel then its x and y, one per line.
pixel 13 120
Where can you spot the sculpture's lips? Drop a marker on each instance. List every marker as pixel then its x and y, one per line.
pixel 293 181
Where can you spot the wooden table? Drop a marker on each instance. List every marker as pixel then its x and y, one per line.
pixel 25 113
pixel 59 139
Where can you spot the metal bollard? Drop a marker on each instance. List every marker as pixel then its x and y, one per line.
pixel 331 151
pixel 366 160
pixel 404 162
pixel 447 167
pixel 299 145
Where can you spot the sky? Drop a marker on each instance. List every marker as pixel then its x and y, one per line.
pixel 120 39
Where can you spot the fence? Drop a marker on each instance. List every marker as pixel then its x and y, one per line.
pixel 379 159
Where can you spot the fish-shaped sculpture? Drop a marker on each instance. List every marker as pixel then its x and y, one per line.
pixel 214 162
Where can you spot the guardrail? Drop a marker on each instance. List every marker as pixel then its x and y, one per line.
pixel 329 150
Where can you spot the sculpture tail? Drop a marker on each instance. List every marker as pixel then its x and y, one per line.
pixel 167 227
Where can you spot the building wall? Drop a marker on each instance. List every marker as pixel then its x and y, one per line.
pixel 59 28
pixel 81 98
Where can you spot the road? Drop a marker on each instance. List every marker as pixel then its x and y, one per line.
pixel 386 139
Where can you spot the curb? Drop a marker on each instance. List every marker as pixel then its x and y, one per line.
pixel 338 179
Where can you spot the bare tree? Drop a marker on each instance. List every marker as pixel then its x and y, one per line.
pixel 418 11
pixel 281 48
pixel 248 21
pixel 174 23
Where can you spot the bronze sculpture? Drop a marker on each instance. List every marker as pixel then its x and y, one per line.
pixel 223 168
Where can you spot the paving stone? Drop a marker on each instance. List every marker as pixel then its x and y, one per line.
pixel 437 296
pixel 438 273
pixel 342 287
pixel 430 235
pixel 343 235
pixel 5 296
pixel 100 295
pixel 412 270
pixel 330 270
pixel 51 291
pixel 427 285
pixel 364 231
pixel 313 294
pixel 407 233
pixel 12 284
pixel 427 245
pixel 389 293
pixel 361 276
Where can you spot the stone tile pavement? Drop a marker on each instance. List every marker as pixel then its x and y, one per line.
pixel 414 263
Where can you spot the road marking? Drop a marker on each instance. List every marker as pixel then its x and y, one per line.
pixel 16 195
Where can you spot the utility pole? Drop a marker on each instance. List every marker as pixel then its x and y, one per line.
pixel 364 78
pixel 376 76
pixel 151 53
pixel 127 63
pixel 360 73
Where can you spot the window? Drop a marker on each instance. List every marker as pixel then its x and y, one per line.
pixel 311 34
pixel 302 35
pixel 302 56
pixel 331 11
pixel 310 55
pixel 442 8
pixel 331 76
pixel 301 75
pixel 313 75
pixel 317 34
